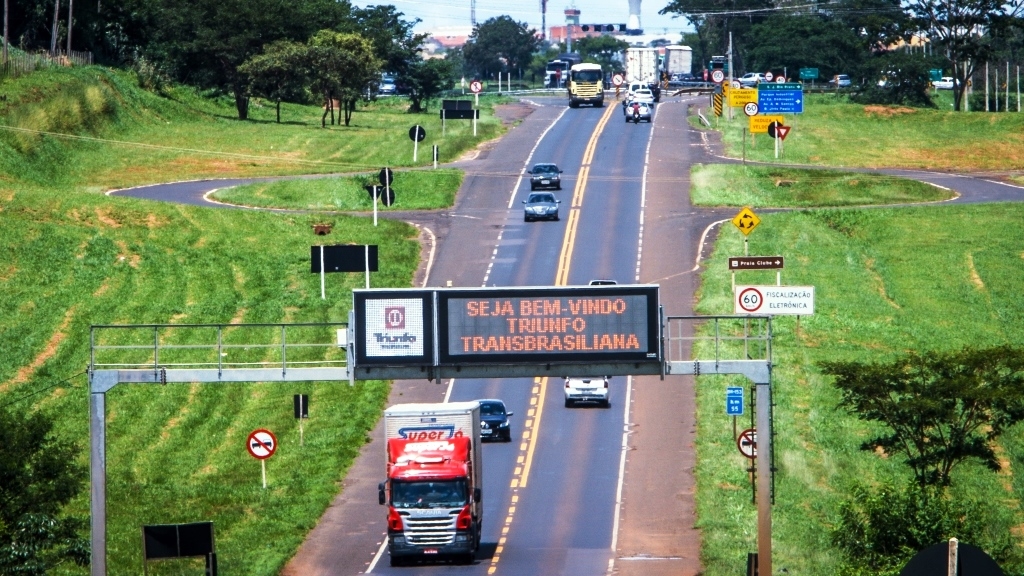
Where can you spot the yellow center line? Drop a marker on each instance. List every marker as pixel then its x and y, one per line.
pixel 531 428
pixel 565 256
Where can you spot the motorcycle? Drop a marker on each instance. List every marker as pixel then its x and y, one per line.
pixel 636 113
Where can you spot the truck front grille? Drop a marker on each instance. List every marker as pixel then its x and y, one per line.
pixel 430 531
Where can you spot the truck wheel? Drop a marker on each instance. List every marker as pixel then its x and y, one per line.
pixel 568 403
pixel 600 104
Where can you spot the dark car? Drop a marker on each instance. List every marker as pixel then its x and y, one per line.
pixel 494 421
pixel 541 206
pixel 545 176
pixel 656 90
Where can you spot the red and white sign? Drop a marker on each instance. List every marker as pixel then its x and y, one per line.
pixel 261 444
pixel 717 76
pixel 768 76
pixel 476 86
pixel 747 443
pixel 774 300
pixel 781 131
pixel 750 108
pixel 780 79
pixel 618 80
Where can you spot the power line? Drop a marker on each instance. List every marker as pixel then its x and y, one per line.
pixel 41 390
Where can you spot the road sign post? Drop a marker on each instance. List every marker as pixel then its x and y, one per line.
pixel 262 444
pixel 416 134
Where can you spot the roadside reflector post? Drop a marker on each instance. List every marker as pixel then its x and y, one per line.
pixel 435 156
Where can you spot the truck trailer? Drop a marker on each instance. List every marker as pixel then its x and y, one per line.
pixel 433 483
pixel 642 65
pixel 678 61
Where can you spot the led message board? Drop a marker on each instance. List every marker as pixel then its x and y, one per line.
pixel 394 326
pixel 502 325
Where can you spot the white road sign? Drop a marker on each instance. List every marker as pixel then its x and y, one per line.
pixel 774 300
pixel 750 108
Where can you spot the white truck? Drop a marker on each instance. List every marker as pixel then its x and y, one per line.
pixel 678 61
pixel 642 65
pixel 434 481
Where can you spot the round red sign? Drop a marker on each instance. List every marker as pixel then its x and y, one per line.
pixel 261 444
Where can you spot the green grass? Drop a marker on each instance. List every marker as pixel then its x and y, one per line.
pixel 74 258
pixel 413 189
pixel 887 282
pixel 835 132
pixel 763 186
pixel 127 136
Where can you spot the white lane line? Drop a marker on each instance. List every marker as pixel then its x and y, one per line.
pixel 1004 184
pixel 643 199
pixel 515 190
pixel 448 393
pixel 703 238
pixel 622 470
pixel 430 257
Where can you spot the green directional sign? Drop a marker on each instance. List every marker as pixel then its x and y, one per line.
pixel 935 74
pixel 808 73
pixel 781 86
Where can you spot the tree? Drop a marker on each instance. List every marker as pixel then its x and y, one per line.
pixel 500 44
pixel 600 49
pixel 905 78
pixel 964 29
pixel 794 42
pixel 394 43
pixel 39 475
pixel 426 79
pixel 203 42
pixel 940 409
pixel 342 66
pixel 280 73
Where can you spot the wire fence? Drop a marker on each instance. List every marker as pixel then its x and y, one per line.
pixel 21 63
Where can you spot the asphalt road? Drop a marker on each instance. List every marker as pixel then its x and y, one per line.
pixel 581 490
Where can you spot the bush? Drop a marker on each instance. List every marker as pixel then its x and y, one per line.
pixel 906 81
pixel 881 529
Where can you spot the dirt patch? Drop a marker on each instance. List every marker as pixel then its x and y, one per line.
pixel 511 114
pixel 887 111
pixel 105 217
pixel 975 278
pixel 26 372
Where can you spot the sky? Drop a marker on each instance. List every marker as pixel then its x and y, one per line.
pixel 446 14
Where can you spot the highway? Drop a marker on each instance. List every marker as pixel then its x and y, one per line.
pixel 582 490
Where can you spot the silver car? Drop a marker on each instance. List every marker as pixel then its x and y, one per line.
pixel 541 206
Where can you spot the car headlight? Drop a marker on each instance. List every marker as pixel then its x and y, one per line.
pixel 503 425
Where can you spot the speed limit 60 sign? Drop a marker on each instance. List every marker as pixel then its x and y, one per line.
pixel 774 300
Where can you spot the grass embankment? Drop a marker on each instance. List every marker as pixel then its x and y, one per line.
pixel 74 258
pixel 887 281
pixel 833 132
pixel 771 186
pixel 126 136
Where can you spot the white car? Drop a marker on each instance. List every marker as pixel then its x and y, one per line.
pixel 643 96
pixel 750 79
pixel 587 389
pixel 946 83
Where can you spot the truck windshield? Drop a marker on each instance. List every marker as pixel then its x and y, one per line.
pixel 587 76
pixel 429 494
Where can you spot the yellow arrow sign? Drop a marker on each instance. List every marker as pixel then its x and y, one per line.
pixel 759 124
pixel 746 220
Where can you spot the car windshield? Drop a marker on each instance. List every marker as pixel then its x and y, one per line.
pixel 492 409
pixel 538 198
pixel 587 76
pixel 644 92
pixel 545 169
pixel 429 494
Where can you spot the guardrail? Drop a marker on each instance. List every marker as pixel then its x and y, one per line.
pixel 216 346
pixel 718 338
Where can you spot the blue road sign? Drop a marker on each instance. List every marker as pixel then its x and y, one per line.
pixel 786 98
pixel 734 401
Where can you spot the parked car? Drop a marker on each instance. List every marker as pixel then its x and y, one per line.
pixel 750 79
pixel 945 83
pixel 545 176
pixel 494 423
pixel 587 389
pixel 540 206
pixel 387 86
pixel 840 81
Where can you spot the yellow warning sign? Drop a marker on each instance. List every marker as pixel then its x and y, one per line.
pixel 740 96
pixel 746 220
pixel 759 124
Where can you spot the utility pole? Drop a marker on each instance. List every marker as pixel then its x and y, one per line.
pixel 543 19
pixel 53 32
pixel 472 13
pixel 71 6
pixel 730 74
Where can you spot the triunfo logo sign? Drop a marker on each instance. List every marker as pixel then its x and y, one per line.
pixel 394 327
